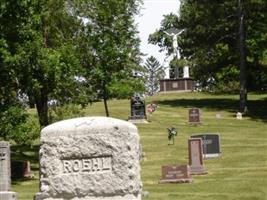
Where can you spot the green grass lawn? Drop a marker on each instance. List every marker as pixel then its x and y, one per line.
pixel 241 171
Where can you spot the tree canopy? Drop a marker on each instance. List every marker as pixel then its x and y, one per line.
pixel 226 41
pixel 62 52
pixel 111 38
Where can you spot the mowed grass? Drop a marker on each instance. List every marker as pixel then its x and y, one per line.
pixel 240 172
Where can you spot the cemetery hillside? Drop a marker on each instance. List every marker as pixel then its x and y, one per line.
pixel 240 172
pixel 88 112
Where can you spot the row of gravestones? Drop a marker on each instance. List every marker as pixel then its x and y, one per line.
pixel 199 147
pixel 91 158
pixel 138 111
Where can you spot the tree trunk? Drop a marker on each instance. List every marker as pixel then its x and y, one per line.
pixel 105 98
pixel 242 51
pixel 42 108
pixel 31 100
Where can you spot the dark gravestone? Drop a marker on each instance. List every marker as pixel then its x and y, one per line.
pixel 5 179
pixel 176 174
pixel 138 109
pixel 196 156
pixel 20 170
pixel 211 145
pixel 194 116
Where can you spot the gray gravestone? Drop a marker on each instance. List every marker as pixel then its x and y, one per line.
pixel 194 116
pixel 5 174
pixel 90 158
pixel 211 145
pixel 196 156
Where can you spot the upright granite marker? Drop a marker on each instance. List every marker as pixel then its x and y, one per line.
pixel 5 173
pixel 90 158
pixel 211 145
pixel 138 110
pixel 194 116
pixel 196 156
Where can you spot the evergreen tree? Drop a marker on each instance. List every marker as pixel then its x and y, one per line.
pixel 153 72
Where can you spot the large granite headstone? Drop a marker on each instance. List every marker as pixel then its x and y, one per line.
pixel 176 174
pixel 138 110
pixel 5 174
pixel 196 156
pixel 211 145
pixel 90 158
pixel 194 116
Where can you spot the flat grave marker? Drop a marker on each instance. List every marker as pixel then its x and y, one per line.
pixel 175 174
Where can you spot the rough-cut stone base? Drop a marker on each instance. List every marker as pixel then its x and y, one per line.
pixel 199 170
pixel 8 195
pixel 138 121
pixel 210 156
pixel 39 196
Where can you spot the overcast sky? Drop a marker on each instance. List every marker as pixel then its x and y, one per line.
pixel 149 20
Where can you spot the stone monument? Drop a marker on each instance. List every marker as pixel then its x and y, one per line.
pixel 196 156
pixel 211 145
pixel 90 158
pixel 194 116
pixel 138 110
pixel 5 174
pixel 176 174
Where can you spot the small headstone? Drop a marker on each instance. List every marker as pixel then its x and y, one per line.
pixel 138 110
pixel 176 174
pixel 238 115
pixel 151 108
pixel 90 158
pixel 196 156
pixel 218 116
pixel 5 174
pixel 211 145
pixel 21 169
pixel 194 116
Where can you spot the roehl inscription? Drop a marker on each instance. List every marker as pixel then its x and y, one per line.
pixel 88 165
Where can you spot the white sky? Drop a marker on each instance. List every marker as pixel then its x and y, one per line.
pixel 149 20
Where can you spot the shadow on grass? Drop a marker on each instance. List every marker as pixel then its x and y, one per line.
pixel 19 154
pixel 23 152
pixel 257 109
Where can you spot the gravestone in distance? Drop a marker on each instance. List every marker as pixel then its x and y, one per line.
pixel 194 116
pixel 196 156
pixel 90 158
pixel 138 110
pixel 211 145
pixel 5 174
pixel 176 174
pixel 21 169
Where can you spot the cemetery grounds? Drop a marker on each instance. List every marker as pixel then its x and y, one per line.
pixel 240 172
